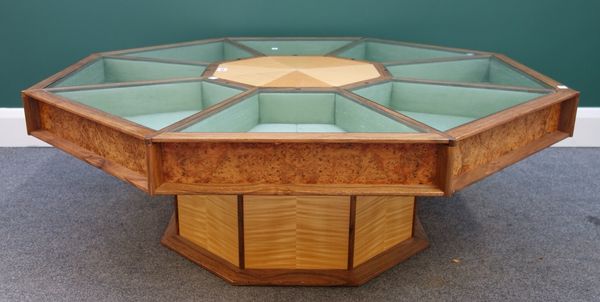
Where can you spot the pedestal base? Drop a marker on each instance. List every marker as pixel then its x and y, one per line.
pixel 295 240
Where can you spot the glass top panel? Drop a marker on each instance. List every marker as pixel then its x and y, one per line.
pixel 153 106
pixel 483 70
pixel 205 52
pixel 298 112
pixel 109 70
pixel 391 52
pixel 280 47
pixel 443 106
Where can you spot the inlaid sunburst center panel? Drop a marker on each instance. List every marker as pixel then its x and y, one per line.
pixel 296 71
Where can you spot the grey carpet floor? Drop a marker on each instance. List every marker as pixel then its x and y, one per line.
pixel 69 232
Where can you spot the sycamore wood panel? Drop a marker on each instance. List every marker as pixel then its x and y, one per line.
pixel 296 232
pixel 304 277
pixel 211 222
pixel 381 223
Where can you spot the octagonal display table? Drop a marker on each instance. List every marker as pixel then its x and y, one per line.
pixel 296 161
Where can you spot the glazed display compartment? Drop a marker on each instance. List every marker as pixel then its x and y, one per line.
pixel 444 107
pixel 153 106
pixel 474 69
pixel 390 51
pixel 306 112
pixel 295 46
pixel 107 70
pixel 206 52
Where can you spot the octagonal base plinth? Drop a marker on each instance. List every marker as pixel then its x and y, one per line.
pixel 295 240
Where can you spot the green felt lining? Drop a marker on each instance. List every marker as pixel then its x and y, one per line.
pixel 484 70
pixel 207 52
pixel 107 70
pixel 322 128
pixel 354 117
pixel 160 120
pixel 443 106
pixel 388 52
pixel 298 112
pixel 92 73
pixel 240 117
pixel 156 105
pixel 502 73
pixel 296 47
pixel 441 121
pixel 297 108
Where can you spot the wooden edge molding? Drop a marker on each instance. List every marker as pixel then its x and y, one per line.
pixel 324 189
pixel 445 166
pixel 31 107
pixel 382 79
pixel 509 114
pixel 287 277
pixel 136 179
pixel 244 137
pixel 210 69
pixel 154 162
pixel 568 115
pixel 100 117
pixel 508 159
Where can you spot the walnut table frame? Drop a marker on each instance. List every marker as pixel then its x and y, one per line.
pixel 296 161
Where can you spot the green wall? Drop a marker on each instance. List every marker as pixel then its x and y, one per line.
pixel 558 38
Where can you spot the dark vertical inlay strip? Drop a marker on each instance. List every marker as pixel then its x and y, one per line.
pixel 351 232
pixel 414 218
pixel 176 206
pixel 240 203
